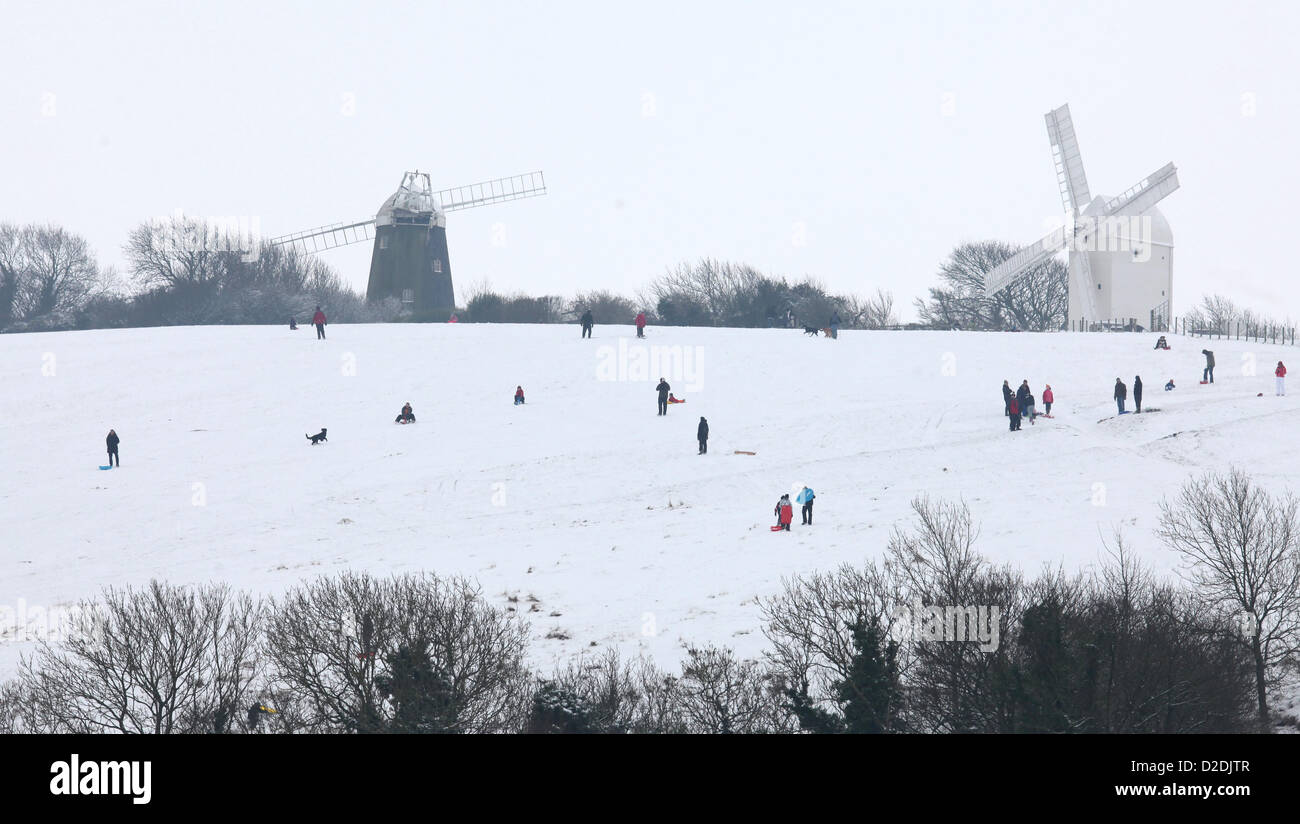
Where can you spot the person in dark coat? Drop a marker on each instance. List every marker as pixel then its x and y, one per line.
pixel 702 433
pixel 1121 394
pixel 407 414
pixel 1137 394
pixel 1006 398
pixel 663 388
pixel 835 324
pixel 319 320
pixel 112 440
pixel 293 327
pixel 1208 374
pixel 587 323
pixel 1022 397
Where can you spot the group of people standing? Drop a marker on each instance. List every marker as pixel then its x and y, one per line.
pixel 1121 394
pixel 784 510
pixel 1020 404
pixel 589 322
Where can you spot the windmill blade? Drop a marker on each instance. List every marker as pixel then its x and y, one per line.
pixel 328 237
pixel 1148 191
pixel 532 184
pixel 1081 279
pixel 1027 258
pixel 1069 162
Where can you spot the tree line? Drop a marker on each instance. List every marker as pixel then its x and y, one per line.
pixel 183 271
pixel 180 272
pixel 1112 649
pixel 706 292
pixel 1219 314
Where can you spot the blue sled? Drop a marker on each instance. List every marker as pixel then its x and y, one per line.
pixel 106 467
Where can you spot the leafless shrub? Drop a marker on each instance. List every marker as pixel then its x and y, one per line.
pixel 414 653
pixel 722 694
pixel 1241 551
pixel 161 659
pixel 809 625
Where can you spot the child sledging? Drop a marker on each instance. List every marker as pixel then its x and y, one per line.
pixel 784 514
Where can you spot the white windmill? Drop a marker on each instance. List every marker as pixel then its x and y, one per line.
pixel 1121 249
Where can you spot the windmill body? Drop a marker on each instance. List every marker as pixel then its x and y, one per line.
pixel 410 260
pixel 1130 273
pixel 1120 248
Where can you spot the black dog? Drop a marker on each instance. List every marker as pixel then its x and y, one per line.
pixel 811 330
pixel 315 439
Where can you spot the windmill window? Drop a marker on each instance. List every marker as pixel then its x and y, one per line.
pixel 437 265
pixel 383 242
pixel 408 296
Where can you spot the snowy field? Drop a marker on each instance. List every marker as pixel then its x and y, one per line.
pixel 584 499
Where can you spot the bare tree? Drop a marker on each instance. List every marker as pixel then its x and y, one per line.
pixel 590 695
pixel 1241 549
pixel 163 659
pixel 182 251
pixel 412 654
pixel 877 312
pixel 1036 301
pixel 60 270
pixel 11 267
pixel 722 694
pixel 935 565
pixel 809 625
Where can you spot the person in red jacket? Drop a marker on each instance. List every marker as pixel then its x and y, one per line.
pixel 640 325
pixel 1047 400
pixel 1013 407
pixel 1280 373
pixel 784 512
pixel 319 320
pixel 519 395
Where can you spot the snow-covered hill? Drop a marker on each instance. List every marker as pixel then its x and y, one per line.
pixel 584 499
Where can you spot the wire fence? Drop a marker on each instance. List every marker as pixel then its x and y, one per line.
pixel 1254 332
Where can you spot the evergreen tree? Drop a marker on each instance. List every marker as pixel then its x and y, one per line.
pixel 422 700
pixel 869 695
pixel 557 710
pixel 1043 688
pixel 811 718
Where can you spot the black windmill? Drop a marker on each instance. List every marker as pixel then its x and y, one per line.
pixel 410 260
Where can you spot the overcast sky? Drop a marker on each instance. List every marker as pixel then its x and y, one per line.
pixel 857 142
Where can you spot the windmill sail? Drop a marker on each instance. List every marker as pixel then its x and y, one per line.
pixel 1069 162
pixel 1027 258
pixel 328 237
pixel 1146 193
pixel 500 190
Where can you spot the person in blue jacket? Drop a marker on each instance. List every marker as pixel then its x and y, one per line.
pixel 806 498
